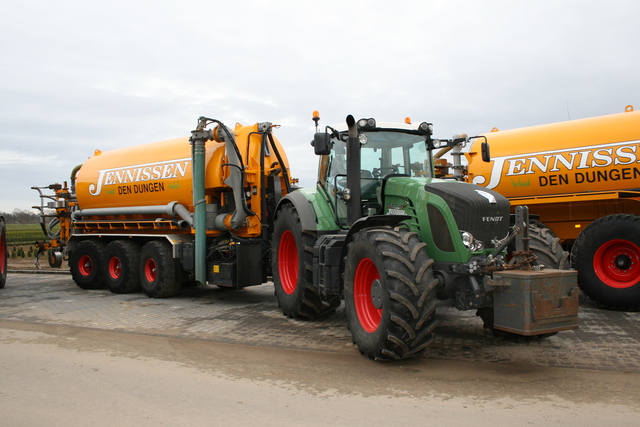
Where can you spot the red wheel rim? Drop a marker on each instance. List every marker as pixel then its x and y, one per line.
pixel 150 270
pixel 617 263
pixel 85 265
pixel 368 315
pixel 288 262
pixel 115 267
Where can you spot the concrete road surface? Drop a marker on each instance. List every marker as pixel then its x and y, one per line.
pixel 59 369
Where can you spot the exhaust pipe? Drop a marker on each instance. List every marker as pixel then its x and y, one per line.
pixel 352 192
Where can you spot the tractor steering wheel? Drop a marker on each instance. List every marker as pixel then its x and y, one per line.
pixel 377 172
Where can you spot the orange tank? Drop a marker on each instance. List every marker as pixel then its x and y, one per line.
pixel 581 179
pixel 579 156
pixel 150 174
pixel 160 173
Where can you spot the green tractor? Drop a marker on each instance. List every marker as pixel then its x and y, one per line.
pixel 380 232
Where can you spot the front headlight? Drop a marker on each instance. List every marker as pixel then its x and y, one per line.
pixel 470 242
pixel 467 238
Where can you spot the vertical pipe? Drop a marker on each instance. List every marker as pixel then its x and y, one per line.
pixel 354 207
pixel 198 140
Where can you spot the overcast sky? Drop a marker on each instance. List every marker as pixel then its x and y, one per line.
pixel 81 75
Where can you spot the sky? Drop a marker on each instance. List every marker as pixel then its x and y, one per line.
pixel 76 76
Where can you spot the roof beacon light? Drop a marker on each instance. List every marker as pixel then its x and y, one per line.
pixel 407 120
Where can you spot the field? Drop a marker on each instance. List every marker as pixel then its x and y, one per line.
pixel 21 249
pixel 23 234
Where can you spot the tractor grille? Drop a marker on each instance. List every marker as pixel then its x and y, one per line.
pixel 473 210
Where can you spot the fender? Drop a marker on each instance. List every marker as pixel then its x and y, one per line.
pixel 374 221
pixel 303 206
pixel 366 222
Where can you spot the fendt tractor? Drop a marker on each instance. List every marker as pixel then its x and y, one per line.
pixel 378 231
pixel 581 180
pixel 381 232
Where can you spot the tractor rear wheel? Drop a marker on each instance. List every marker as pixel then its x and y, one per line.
pixel 292 257
pixel 546 246
pixel 390 293
pixel 120 262
pixel 607 257
pixel 85 264
pixel 158 270
pixel 3 253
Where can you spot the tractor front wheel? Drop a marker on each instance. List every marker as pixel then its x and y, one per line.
pixel 390 293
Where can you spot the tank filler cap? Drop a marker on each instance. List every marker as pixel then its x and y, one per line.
pixel 628 108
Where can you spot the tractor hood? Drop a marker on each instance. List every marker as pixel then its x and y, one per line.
pixel 481 212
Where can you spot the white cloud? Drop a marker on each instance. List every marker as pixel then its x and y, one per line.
pixel 80 75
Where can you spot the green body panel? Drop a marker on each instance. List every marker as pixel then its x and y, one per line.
pixel 402 196
pixel 409 195
pixel 325 217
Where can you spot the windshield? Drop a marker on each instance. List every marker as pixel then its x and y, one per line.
pixel 395 152
pixel 385 153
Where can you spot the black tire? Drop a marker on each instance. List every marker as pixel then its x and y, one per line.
pixel 546 246
pixel 607 257
pixel 390 293
pixel 85 264
pixel 3 253
pixel 120 266
pixel 292 258
pixel 158 275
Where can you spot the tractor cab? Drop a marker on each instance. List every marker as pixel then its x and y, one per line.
pixel 384 150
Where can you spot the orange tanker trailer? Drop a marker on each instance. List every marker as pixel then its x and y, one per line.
pixel 136 217
pixel 582 179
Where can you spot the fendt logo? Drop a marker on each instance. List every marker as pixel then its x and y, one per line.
pixel 578 165
pixel 140 178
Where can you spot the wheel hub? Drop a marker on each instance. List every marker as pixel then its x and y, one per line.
pixel 367 289
pixel 115 267
pixel 376 294
pixel 85 265
pixel 616 263
pixel 623 262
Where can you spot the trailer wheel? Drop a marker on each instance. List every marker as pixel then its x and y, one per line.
pixel 607 257
pixel 390 293
pixel 85 264
pixel 546 246
pixel 158 270
pixel 120 264
pixel 3 253
pixel 292 257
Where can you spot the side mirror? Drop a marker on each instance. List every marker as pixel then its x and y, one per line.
pixel 321 143
pixel 486 156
